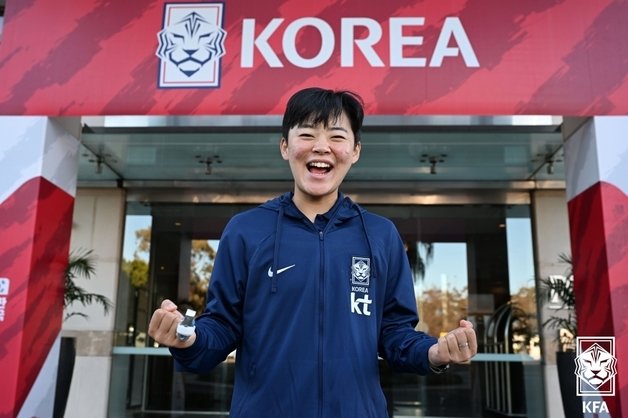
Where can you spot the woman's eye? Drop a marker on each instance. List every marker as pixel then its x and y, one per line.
pixel 338 138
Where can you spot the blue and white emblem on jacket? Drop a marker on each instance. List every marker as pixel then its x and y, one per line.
pixel 360 271
pixel 360 279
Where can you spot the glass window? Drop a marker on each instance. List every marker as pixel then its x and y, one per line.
pixel 441 285
pixel 472 262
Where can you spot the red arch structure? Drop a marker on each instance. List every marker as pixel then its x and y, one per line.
pixel 559 57
pixel 490 57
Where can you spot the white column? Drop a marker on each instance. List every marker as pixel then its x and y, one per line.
pixel 596 161
pixel 38 170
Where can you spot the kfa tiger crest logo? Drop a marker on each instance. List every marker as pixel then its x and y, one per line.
pixel 191 44
pixel 360 271
pixel 596 366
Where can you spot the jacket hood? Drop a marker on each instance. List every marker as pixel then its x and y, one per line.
pixel 347 208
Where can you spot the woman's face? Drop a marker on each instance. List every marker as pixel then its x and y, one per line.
pixel 320 157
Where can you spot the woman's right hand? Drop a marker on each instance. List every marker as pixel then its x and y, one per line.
pixel 163 326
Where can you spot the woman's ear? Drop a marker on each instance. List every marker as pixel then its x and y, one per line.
pixel 283 148
pixel 356 152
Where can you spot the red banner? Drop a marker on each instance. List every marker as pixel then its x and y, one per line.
pixel 484 57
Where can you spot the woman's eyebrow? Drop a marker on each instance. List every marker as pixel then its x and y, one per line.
pixel 329 128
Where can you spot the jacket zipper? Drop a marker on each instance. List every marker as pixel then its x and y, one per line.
pixel 321 315
pixel 321 322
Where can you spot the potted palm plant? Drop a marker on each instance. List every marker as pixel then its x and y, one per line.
pixel 80 264
pixel 558 292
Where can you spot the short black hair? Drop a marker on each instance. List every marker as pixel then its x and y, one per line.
pixel 321 106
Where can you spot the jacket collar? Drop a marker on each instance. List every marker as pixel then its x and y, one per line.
pixel 344 208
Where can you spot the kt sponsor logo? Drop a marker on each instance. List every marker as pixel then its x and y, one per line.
pixel 361 305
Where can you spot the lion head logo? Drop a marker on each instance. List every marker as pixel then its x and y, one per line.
pixel 190 43
pixel 361 270
pixel 595 366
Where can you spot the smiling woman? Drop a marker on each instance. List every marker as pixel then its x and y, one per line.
pixel 305 241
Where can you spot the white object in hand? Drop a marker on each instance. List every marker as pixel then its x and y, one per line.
pixel 186 327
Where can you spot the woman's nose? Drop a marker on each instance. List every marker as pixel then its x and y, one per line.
pixel 320 144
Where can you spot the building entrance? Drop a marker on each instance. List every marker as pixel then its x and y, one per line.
pixel 470 260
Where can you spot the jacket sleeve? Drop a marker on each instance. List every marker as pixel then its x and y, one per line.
pixel 400 344
pixel 219 328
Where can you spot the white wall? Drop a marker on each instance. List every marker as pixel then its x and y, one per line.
pixel 551 231
pixel 97 225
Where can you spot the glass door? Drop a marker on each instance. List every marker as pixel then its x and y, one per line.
pixel 473 262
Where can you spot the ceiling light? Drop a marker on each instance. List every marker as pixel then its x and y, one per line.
pixel 208 161
pixel 549 159
pixel 100 158
pixel 433 160
pixel 550 167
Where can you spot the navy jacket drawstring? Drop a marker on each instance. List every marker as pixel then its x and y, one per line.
pixel 368 241
pixel 273 279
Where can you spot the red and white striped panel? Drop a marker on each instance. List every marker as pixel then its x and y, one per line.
pixel 402 57
pixel 597 185
pixel 38 169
